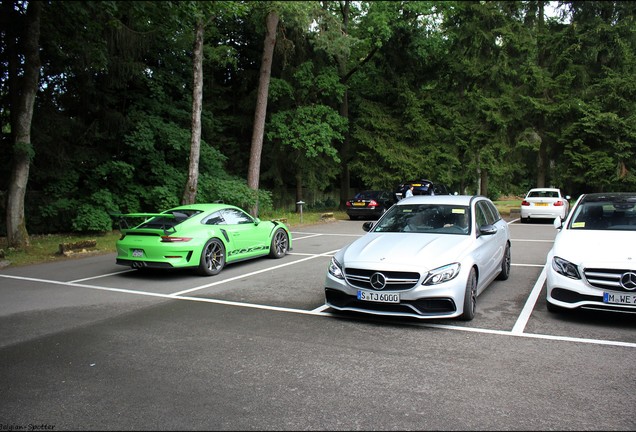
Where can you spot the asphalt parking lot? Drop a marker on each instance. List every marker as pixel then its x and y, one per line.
pixel 89 345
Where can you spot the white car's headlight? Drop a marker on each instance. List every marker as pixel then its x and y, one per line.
pixel 442 274
pixel 565 268
pixel 335 269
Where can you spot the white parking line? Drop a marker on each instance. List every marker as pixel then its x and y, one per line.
pixel 324 234
pixel 532 240
pixel 320 312
pixel 251 274
pixel 524 316
pixel 294 238
pixel 103 275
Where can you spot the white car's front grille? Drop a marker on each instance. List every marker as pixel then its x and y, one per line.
pixel 611 279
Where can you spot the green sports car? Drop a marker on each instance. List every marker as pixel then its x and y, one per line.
pixel 205 237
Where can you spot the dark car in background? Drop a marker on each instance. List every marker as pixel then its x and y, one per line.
pixel 369 204
pixel 421 187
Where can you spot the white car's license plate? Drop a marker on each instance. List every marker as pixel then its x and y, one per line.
pixel 627 299
pixel 138 253
pixel 378 297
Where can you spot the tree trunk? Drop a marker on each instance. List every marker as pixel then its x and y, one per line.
pixel 345 149
pixel 542 158
pixel 17 234
pixel 483 183
pixel 254 168
pixel 190 192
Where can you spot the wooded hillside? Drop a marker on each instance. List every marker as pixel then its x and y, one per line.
pixel 490 97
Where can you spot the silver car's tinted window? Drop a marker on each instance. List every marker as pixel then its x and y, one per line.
pixel 480 216
pixel 425 218
pixel 490 211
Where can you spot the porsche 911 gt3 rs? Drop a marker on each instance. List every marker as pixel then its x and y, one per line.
pixel 204 237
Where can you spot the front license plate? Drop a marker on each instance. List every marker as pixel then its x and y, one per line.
pixel 138 253
pixel 378 297
pixel 626 299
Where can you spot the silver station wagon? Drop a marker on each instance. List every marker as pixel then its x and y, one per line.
pixel 427 257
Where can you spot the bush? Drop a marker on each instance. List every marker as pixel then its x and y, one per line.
pixel 92 219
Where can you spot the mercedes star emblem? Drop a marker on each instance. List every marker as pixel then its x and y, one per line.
pixel 628 281
pixel 378 281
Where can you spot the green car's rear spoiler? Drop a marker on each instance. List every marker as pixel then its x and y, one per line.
pixel 123 222
pixel 140 215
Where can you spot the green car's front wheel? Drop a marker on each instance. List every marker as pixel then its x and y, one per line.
pixel 280 244
pixel 212 258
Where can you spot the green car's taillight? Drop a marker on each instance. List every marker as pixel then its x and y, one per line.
pixel 169 239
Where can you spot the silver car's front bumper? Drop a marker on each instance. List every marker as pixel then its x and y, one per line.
pixel 445 300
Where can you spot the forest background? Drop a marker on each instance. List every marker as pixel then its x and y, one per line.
pixel 137 106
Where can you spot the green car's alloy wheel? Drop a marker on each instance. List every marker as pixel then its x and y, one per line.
pixel 470 297
pixel 212 258
pixel 280 244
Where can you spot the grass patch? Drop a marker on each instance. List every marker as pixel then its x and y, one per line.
pixel 504 206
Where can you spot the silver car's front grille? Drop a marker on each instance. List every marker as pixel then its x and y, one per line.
pixel 610 279
pixel 392 280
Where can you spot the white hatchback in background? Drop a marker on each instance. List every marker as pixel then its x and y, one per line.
pixel 544 203
pixel 592 264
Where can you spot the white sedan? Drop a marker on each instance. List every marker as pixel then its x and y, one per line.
pixel 427 257
pixel 592 264
pixel 544 203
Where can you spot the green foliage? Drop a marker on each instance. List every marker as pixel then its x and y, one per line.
pixel 310 129
pixel 449 90
pixel 93 214
pixel 91 219
pixel 233 191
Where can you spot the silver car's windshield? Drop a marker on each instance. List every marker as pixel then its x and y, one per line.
pixel 425 218
pixel 604 215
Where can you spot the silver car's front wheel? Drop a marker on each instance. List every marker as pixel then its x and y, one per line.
pixel 470 297
pixel 505 265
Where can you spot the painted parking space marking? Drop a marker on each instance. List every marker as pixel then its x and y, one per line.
pixel 322 310
pixel 524 316
pixel 103 275
pixel 242 276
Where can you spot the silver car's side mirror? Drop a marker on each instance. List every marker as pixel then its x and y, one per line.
pixel 487 229
pixel 558 222
pixel 367 226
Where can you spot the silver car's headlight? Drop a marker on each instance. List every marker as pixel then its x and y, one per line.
pixel 565 268
pixel 442 274
pixel 335 269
